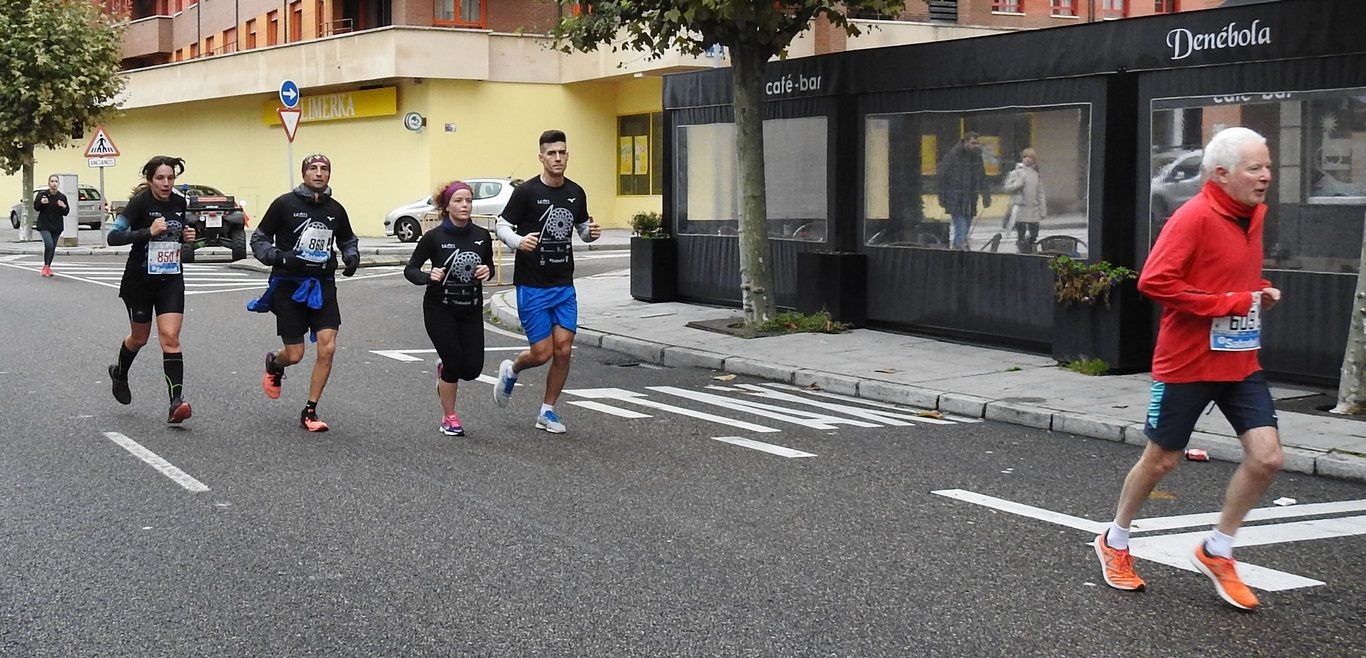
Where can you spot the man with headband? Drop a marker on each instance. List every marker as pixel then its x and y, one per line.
pixel 538 223
pixel 296 237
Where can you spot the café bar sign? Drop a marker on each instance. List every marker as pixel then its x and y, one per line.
pixel 339 106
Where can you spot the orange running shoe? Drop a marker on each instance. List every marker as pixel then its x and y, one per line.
pixel 179 413
pixel 1118 567
pixel 311 422
pixel 1223 572
pixel 270 382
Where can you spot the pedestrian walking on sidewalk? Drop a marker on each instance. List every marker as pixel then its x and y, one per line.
pixel 962 178
pixel 51 206
pixel 296 237
pixel 154 222
pixel 461 257
pixel 1205 271
pixel 1028 203
pixel 539 223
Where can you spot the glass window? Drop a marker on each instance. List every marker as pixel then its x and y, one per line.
pixel 1318 150
pixel 796 179
pixel 468 13
pixel 1114 8
pixel 1006 6
pixel 1008 181
pixel 638 162
pixel 1064 7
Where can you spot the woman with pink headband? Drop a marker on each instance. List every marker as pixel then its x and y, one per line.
pixel 461 257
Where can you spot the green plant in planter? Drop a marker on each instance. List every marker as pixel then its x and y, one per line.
pixel 1077 281
pixel 648 224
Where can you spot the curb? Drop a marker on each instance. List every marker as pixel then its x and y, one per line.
pixel 1333 464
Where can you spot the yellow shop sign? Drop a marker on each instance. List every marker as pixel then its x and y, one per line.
pixel 339 106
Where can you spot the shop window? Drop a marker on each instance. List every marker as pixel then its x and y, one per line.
pixel 796 179
pixel 459 13
pixel 640 158
pixel 928 177
pixel 1318 150
pixel 1114 8
pixel 1006 6
pixel 1063 7
pixel 1165 7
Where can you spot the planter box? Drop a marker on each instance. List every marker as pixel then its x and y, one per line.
pixel 1121 335
pixel 654 269
pixel 836 282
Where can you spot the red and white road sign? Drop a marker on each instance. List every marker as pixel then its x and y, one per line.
pixel 289 118
pixel 100 145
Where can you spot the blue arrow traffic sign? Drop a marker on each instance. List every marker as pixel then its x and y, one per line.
pixel 289 93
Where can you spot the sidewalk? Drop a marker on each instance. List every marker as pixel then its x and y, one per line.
pixel 982 382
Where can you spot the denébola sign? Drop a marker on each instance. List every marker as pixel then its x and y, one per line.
pixel 1183 42
pixel 339 106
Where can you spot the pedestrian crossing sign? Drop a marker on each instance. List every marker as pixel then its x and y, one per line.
pixel 101 146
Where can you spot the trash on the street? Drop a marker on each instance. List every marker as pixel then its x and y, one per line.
pixel 1158 494
pixel 886 371
pixel 1197 455
pixel 1284 501
pixel 929 414
pixel 724 378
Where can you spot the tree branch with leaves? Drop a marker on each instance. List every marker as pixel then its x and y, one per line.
pixel 59 72
pixel 753 32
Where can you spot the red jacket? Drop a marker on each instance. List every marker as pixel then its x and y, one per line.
pixel 1204 266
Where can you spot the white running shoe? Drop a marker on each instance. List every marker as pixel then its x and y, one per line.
pixel 506 381
pixel 550 422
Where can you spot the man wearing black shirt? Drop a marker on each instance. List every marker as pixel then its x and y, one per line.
pixel 538 223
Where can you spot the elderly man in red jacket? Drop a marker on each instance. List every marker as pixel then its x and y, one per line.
pixel 1206 272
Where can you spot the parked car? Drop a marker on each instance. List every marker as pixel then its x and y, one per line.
pixel 89 207
pixel 1175 183
pixel 490 197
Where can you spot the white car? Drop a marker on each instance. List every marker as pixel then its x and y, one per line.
pixel 490 196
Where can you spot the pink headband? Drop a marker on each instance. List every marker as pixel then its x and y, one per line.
pixel 450 190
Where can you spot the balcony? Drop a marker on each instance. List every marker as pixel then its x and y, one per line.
pixel 149 37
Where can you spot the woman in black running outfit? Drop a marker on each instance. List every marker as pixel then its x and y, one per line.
pixel 155 223
pixel 461 254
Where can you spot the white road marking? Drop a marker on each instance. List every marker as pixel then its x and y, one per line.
pixel 1175 550
pixel 868 403
pixel 622 395
pixel 764 447
pixel 155 461
pixel 808 419
pixel 895 419
pixel 1259 514
pixel 608 409
pixel 406 355
pixel 6 259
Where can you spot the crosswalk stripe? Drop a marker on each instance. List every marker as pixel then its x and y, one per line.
pixel 808 419
pixel 761 446
pixel 609 409
pixel 902 419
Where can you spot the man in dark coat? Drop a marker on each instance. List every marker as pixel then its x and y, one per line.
pixel 962 176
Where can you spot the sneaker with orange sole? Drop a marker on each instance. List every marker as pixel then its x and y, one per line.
pixel 179 413
pixel 1223 572
pixel 311 422
pixel 270 381
pixel 1117 567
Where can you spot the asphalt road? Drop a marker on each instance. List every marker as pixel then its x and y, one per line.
pixel 627 536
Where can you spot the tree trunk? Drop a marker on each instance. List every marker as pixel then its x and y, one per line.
pixel 1352 385
pixel 756 277
pixel 27 218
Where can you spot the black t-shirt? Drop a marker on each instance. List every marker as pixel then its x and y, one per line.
pixel 142 210
pixel 308 228
pixel 552 212
pixel 459 250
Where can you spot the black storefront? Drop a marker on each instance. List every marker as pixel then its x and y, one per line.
pixel 1117 113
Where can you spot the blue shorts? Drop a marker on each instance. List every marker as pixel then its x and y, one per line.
pixel 540 309
pixel 1175 408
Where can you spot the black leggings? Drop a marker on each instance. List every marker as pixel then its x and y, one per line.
pixel 458 336
pixel 49 244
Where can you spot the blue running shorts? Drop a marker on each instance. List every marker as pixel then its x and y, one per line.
pixel 540 309
pixel 1174 408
